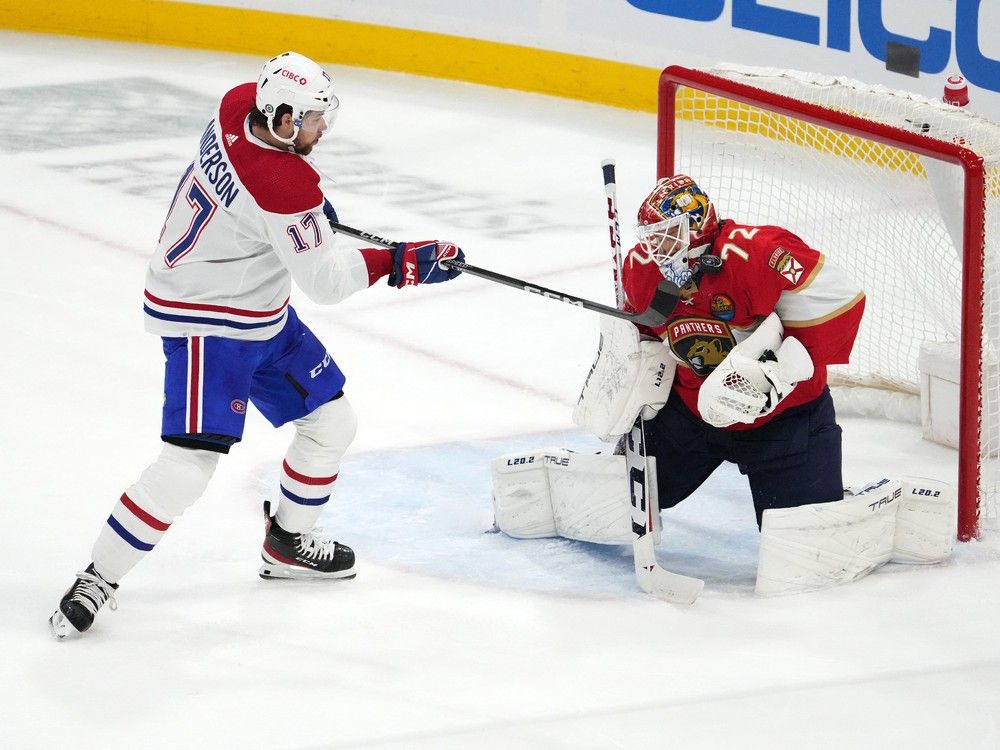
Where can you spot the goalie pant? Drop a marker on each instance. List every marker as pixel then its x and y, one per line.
pixel 795 459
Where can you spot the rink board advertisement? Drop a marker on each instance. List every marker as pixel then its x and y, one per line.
pixel 607 51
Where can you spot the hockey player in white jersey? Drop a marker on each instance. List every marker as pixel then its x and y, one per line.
pixel 248 217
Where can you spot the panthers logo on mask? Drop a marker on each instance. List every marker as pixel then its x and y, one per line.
pixel 688 200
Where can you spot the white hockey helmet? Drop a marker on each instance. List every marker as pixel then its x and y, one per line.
pixel 295 80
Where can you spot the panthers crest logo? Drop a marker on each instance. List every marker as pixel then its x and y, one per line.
pixel 706 354
pixel 700 343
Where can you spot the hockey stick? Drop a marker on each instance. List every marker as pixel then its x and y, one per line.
pixel 652 579
pixel 661 583
pixel 664 299
pixel 614 232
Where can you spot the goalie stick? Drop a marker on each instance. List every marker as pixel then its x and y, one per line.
pixel 614 232
pixel 661 583
pixel 664 299
pixel 654 580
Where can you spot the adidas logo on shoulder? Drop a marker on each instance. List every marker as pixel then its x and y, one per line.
pixel 231 138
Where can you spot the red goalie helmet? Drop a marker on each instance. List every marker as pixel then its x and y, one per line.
pixel 677 221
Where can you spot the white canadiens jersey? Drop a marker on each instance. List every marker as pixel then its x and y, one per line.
pixel 246 219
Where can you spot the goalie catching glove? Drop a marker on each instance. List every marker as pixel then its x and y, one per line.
pixel 421 263
pixel 755 377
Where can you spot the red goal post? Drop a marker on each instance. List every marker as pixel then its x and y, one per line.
pixel 854 170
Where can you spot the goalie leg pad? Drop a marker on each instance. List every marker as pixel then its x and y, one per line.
pixel 522 504
pixel 589 501
pixel 561 493
pixel 926 521
pixel 812 547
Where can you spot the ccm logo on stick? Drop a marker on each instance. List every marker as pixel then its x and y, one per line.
pixel 553 295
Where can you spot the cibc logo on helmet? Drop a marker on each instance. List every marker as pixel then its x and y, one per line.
pixel 286 73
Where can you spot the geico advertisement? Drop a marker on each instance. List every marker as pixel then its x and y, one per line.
pixel 904 44
pixel 934 36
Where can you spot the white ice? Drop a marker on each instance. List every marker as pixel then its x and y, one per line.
pixel 450 637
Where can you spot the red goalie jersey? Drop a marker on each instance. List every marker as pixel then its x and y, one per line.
pixel 764 269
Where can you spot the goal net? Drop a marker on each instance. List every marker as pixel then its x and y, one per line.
pixel 901 191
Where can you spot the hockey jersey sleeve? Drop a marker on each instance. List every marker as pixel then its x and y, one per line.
pixel 825 314
pixel 323 268
pixel 817 302
pixel 639 281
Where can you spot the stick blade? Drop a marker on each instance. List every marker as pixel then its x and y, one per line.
pixel 670 587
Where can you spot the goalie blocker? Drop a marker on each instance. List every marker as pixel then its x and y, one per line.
pixel 629 377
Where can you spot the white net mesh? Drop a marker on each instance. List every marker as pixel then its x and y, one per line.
pixel 889 217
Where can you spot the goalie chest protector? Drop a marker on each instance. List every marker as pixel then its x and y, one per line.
pixel 765 269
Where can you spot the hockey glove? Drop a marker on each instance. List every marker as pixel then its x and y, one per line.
pixel 330 212
pixel 629 377
pixel 755 377
pixel 743 389
pixel 420 263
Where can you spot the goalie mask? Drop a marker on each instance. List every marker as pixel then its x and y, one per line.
pixel 295 80
pixel 677 222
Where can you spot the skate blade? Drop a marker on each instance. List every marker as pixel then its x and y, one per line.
pixel 277 570
pixel 61 627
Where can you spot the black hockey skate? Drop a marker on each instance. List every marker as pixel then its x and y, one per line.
pixel 80 604
pixel 310 555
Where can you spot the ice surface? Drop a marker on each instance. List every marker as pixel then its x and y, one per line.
pixel 450 637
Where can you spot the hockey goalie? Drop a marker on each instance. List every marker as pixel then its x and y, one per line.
pixel 737 373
